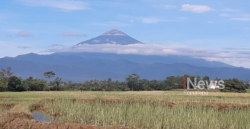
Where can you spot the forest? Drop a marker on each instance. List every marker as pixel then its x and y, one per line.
pixel 133 82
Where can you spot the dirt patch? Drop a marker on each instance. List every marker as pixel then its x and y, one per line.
pixel 24 124
pixel 20 116
pixel 26 121
pixel 6 106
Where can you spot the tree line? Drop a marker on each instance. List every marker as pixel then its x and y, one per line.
pixel 133 82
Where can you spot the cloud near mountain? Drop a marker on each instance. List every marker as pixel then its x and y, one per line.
pixel 235 58
pixel 118 42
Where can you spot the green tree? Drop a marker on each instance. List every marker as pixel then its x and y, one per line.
pixel 49 74
pixel 5 74
pixel 246 86
pixel 170 82
pixel 37 85
pixel 57 82
pixel 133 81
pixel 206 78
pixel 234 85
pixel 13 83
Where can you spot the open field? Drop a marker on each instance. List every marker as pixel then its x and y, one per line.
pixel 146 110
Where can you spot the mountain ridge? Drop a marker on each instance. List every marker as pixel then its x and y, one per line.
pixel 149 59
pixel 79 69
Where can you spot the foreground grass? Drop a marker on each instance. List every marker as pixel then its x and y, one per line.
pixel 148 115
pixel 68 107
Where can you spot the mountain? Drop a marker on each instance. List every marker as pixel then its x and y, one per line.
pixel 82 66
pixel 112 37
pixel 148 59
pixel 78 69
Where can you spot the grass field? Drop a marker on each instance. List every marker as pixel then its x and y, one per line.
pixel 146 110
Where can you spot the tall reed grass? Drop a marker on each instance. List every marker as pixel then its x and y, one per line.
pixel 147 115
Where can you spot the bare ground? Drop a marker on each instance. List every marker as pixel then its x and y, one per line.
pixel 26 121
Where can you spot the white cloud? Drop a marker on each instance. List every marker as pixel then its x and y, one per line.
pixel 228 56
pixel 152 20
pixel 13 48
pixel 123 49
pixel 59 4
pixel 196 8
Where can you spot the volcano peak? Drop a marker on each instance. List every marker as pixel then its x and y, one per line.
pixel 113 36
pixel 115 32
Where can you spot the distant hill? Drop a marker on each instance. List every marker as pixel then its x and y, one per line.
pixel 112 37
pixel 79 68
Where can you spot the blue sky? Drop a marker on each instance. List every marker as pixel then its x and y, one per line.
pixel 220 28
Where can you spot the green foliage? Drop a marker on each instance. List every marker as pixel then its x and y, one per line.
pixel 234 85
pixel 13 83
pixel 20 88
pixel 31 84
pixel 37 85
pixel 46 88
pixel 133 82
pixel 206 78
pixel 173 82
pixel 5 74
pixel 246 85
pixel 56 83
pixel 49 74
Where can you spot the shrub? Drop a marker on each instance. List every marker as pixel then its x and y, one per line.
pixel 234 85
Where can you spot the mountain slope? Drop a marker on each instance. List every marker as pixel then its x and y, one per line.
pixel 112 37
pixel 147 59
pixel 79 69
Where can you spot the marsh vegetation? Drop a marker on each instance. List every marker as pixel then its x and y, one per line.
pixel 152 110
